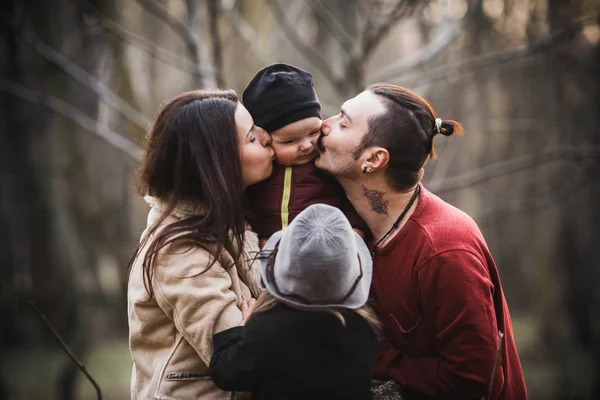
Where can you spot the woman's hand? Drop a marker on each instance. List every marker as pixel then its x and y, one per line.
pixel 247 309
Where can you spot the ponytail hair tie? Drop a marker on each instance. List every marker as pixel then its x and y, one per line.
pixel 438 126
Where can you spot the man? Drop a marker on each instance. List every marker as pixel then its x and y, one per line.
pixel 435 285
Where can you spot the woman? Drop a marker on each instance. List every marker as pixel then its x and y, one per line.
pixel 192 271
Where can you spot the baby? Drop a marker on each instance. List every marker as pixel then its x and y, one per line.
pixel 282 100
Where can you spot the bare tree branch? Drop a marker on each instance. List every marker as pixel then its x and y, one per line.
pixel 144 44
pixel 68 111
pixel 511 166
pixel 313 56
pixel 159 11
pixel 244 30
pixel 333 24
pixel 207 79
pixel 443 164
pixel 496 58
pixel 80 75
pixel 529 205
pixel 214 12
pixel 493 126
pixel 446 35
pixel 186 32
pixel 58 337
pixel 380 23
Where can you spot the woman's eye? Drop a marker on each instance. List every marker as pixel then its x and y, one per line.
pixel 252 139
pixel 342 126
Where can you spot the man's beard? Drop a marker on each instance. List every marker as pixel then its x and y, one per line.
pixel 320 145
pixel 323 171
pixel 321 148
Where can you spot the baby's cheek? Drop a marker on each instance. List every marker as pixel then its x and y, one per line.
pixel 286 155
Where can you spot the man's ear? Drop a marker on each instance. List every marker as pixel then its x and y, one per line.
pixel 376 158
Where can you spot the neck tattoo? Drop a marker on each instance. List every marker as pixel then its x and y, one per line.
pixel 399 219
pixel 376 199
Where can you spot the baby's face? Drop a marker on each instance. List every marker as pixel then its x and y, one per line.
pixel 296 143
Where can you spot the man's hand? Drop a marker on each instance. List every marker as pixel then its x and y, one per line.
pixel 247 309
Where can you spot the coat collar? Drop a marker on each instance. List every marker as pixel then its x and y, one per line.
pixel 249 269
pixel 181 211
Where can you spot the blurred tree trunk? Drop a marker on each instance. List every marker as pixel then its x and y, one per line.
pixel 53 244
pixel 576 69
pixel 336 38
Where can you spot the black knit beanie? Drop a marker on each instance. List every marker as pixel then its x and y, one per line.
pixel 279 95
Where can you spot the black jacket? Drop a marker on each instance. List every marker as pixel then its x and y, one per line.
pixel 284 353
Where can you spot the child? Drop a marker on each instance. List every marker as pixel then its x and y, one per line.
pixel 311 336
pixel 282 100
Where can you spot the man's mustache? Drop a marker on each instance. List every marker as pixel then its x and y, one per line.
pixel 320 145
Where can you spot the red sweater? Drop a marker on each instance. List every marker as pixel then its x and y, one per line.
pixel 276 201
pixel 437 291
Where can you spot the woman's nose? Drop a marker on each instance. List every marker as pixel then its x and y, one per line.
pixel 264 138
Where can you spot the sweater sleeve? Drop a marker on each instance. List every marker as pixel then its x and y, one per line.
pixel 234 362
pixel 199 301
pixel 457 300
pixel 385 356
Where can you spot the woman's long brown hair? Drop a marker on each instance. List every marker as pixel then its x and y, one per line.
pixel 193 159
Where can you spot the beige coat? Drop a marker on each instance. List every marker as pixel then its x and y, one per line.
pixel 170 335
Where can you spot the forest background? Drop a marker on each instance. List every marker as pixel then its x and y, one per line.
pixel 81 80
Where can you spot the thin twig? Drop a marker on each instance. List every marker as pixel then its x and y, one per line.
pixel 313 56
pixel 190 36
pixel 444 38
pixel 149 47
pixel 496 58
pixel 175 60
pixel 194 44
pixel 332 23
pixel 531 205
pixel 214 12
pixel 68 111
pixel 498 349
pixel 447 34
pixel 85 78
pixel 243 28
pixel 159 11
pixel 374 33
pixel 511 166
pixel 58 337
pixel 186 32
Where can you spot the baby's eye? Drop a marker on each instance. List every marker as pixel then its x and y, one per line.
pixel 314 133
pixel 342 126
pixel 288 141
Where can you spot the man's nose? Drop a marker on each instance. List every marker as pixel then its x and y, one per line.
pixel 264 138
pixel 326 127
